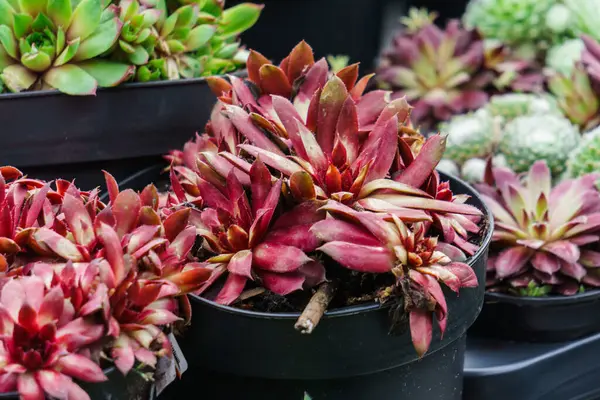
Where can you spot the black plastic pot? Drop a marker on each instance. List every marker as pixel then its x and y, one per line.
pixel 48 134
pixel 499 370
pixel 539 319
pixel 349 27
pixel 253 355
pixel 130 387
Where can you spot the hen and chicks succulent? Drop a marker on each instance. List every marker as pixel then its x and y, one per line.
pixel 298 168
pixel 78 47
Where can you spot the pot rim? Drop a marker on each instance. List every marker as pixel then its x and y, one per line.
pixel 15 395
pixel 554 300
pixel 368 307
pixel 130 85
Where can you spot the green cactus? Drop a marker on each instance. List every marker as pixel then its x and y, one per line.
pixel 511 105
pixel 530 138
pixel 585 158
pixel 469 136
pixel 518 22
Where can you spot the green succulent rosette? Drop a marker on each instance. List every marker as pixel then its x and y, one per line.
pixel 198 39
pixel 47 44
pixel 137 40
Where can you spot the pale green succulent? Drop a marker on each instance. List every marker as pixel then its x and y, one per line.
pixel 562 57
pixel 546 137
pixel 511 105
pixel 516 22
pixel 47 44
pixel 585 158
pixel 473 170
pixel 448 167
pixel 585 17
pixel 469 136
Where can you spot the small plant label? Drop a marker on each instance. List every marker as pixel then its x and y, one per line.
pixel 181 364
pixel 170 368
pixel 165 373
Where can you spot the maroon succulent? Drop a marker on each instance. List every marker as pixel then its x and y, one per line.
pixel 541 233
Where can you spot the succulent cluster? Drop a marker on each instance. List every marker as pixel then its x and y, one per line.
pixel 543 234
pixel 515 129
pixel 289 156
pixel 85 281
pixel 452 71
pixel 76 47
pixel 519 22
pixel 441 72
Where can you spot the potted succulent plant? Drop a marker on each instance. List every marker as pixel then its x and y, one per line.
pixel 542 268
pixel 157 52
pixel 319 204
pixel 88 291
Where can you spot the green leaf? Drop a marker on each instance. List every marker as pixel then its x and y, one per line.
pixel 108 73
pixel 217 66
pixel 212 7
pixel 131 10
pixel 24 46
pixel 21 24
pixel 6 13
pixel 143 35
pixel 85 20
pixel 205 18
pixel 41 23
pixel 126 47
pixel 307 397
pixel 186 16
pixel 71 79
pixel 60 12
pixel 18 78
pixel 32 7
pixel 5 59
pixel 227 51
pixel 139 56
pixel 143 74
pixel 37 61
pixel 168 26
pixel 68 53
pixel 238 19
pixel 60 40
pixel 150 17
pixel 180 33
pixel 175 46
pixel 8 41
pixel 199 36
pixel 102 40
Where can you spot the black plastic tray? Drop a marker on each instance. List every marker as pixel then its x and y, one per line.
pixel 500 370
pixel 50 134
pixel 538 319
